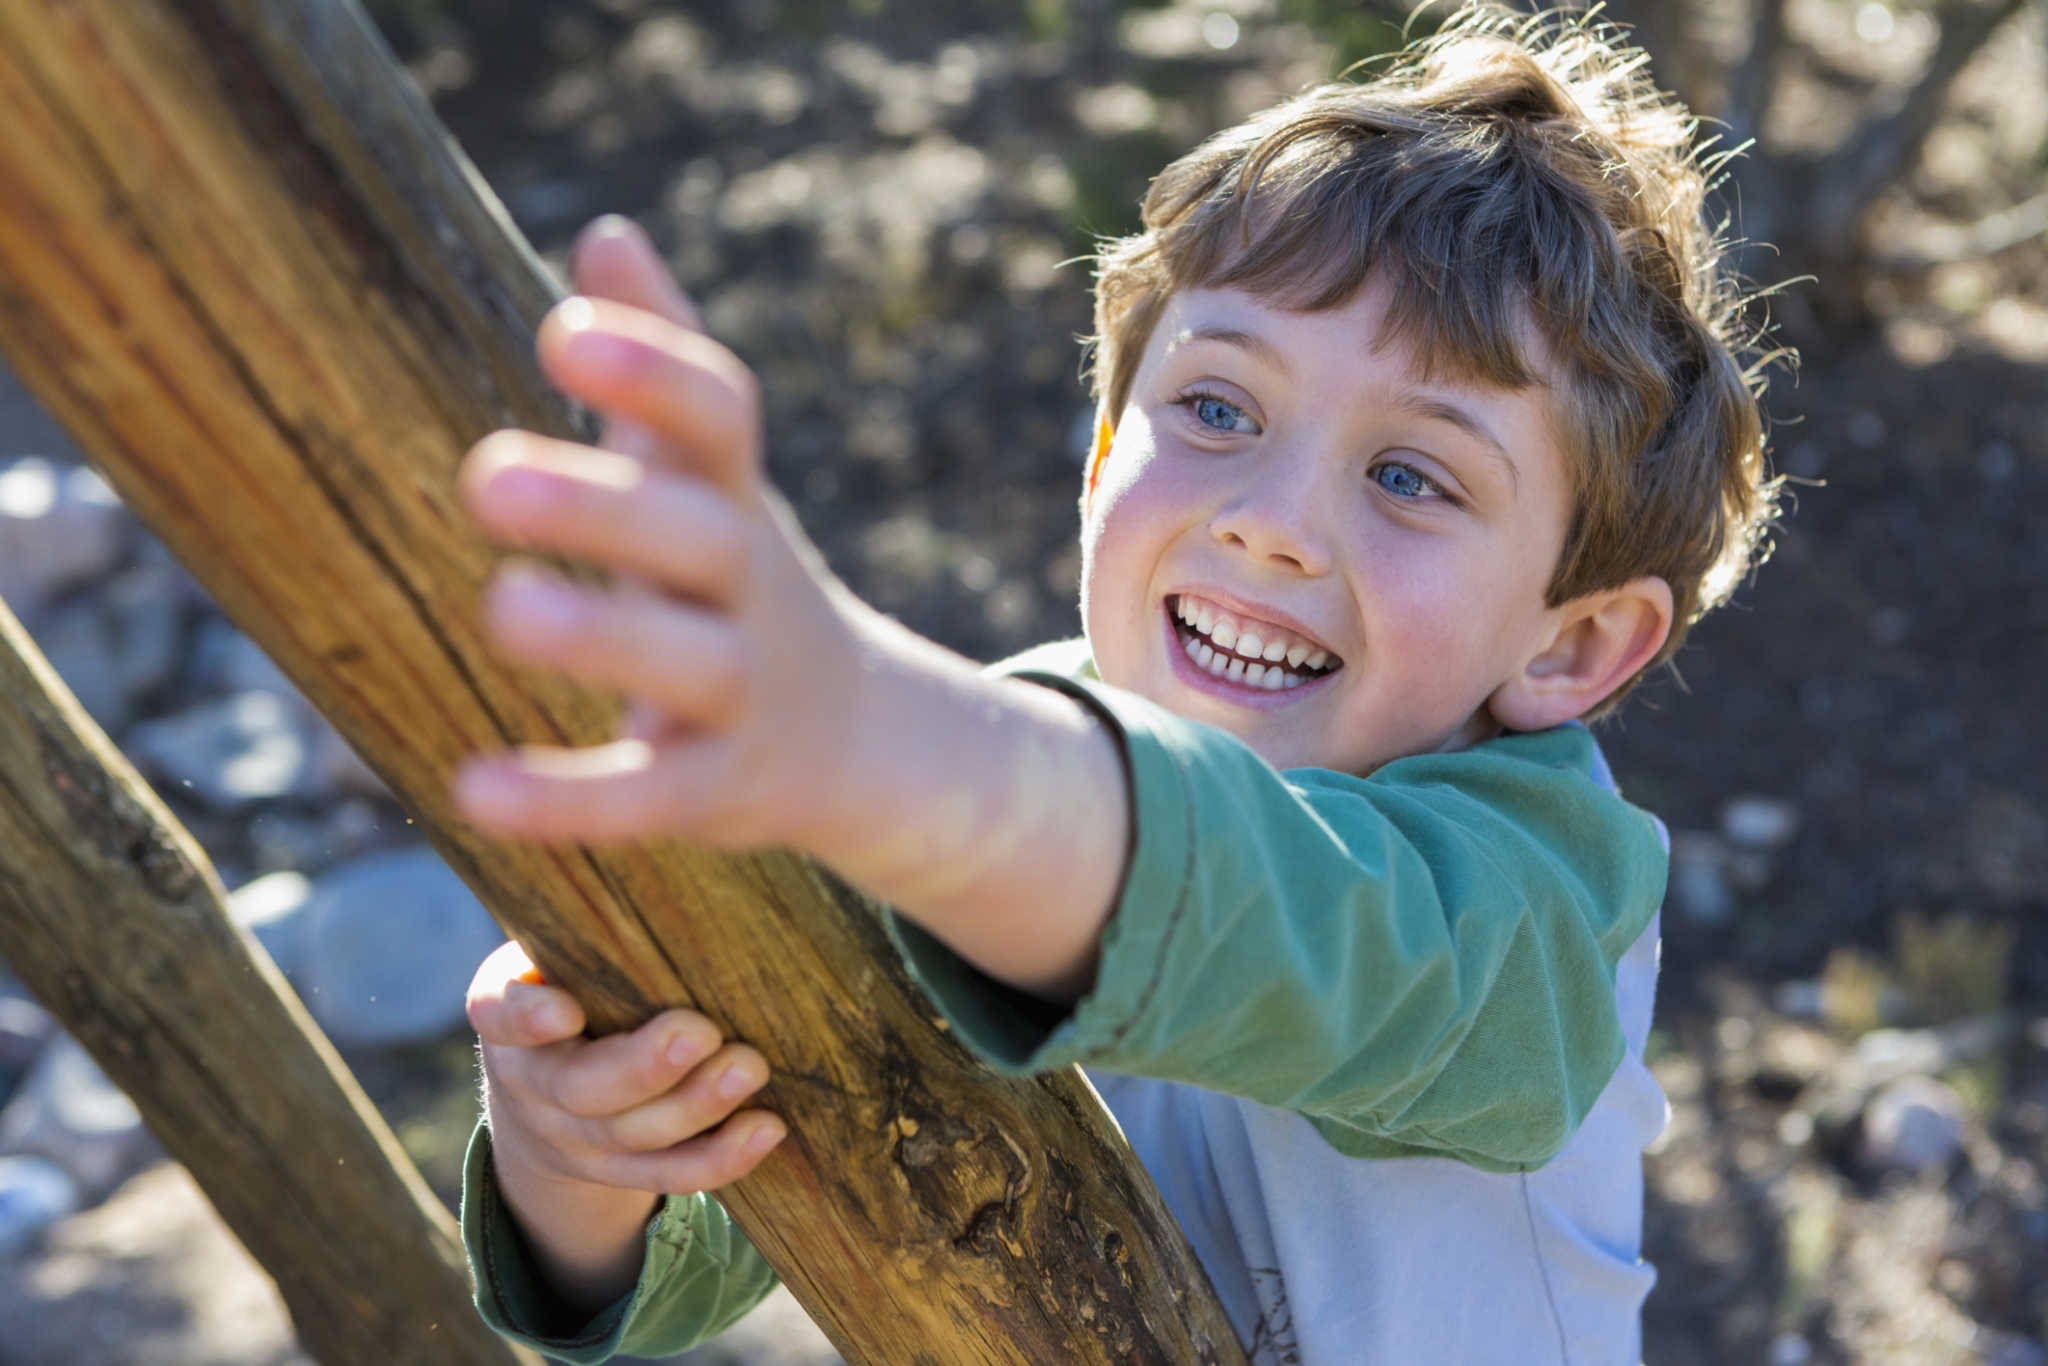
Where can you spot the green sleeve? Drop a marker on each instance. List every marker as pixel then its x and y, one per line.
pixel 1419 962
pixel 701 1275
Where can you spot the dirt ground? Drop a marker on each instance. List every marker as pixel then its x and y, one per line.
pixel 879 207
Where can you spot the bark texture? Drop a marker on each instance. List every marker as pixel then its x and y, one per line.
pixel 244 265
pixel 114 919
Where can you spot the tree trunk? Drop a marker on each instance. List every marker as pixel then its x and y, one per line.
pixel 243 264
pixel 113 917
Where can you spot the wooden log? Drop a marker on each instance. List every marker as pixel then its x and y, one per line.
pixel 243 264
pixel 113 917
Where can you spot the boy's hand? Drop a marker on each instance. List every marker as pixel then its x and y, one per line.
pixel 768 706
pixel 719 626
pixel 585 1133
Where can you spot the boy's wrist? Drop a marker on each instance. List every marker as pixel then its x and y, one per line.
pixel 587 1239
pixel 991 811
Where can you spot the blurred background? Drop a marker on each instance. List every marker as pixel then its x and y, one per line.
pixel 882 207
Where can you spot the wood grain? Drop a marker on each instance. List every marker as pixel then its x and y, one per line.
pixel 113 917
pixel 242 263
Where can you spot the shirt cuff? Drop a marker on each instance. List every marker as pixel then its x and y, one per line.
pixel 1020 1034
pixel 512 1294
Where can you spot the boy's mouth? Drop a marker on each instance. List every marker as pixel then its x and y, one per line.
pixel 1243 649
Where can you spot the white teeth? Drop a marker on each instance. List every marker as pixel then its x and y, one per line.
pixel 1255 676
pixel 1232 650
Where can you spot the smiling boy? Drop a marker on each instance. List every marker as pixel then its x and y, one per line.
pixel 1422 436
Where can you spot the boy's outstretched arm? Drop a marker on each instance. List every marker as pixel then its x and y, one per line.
pixel 770 706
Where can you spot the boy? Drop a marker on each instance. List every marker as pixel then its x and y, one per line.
pixel 1422 437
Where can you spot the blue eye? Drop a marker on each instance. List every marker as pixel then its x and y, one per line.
pixel 1221 414
pixel 1404 481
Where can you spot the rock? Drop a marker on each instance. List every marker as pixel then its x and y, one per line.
pixel 390 943
pixel 116 647
pixel 2008 1349
pixel 225 660
pixel 1799 1000
pixel 60 526
pixel 1751 822
pixel 150 1278
pixel 1752 830
pixel 341 768
pixel 272 910
pixel 181 592
pixel 1886 1054
pixel 1790 1349
pixel 1912 1124
pixel 336 834
pixel 34 1194
pixel 241 749
pixel 68 1112
pixel 1699 881
pixel 1883 1055
pixel 24 1028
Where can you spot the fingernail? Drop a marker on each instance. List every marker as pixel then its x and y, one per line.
pixel 551 1018
pixel 764 1137
pixel 679 1050
pixel 737 1081
pixel 484 791
pixel 597 349
pixel 524 490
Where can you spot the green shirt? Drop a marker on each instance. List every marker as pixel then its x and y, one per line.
pixel 1419 962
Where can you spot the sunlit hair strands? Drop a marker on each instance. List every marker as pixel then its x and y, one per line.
pixel 1505 175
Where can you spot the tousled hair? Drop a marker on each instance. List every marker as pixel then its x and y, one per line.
pixel 1501 176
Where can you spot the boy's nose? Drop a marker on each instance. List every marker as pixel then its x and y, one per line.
pixel 1277 521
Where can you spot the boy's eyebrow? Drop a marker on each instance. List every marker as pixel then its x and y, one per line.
pixel 1251 342
pixel 1441 410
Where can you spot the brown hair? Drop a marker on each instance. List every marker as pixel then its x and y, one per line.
pixel 1504 173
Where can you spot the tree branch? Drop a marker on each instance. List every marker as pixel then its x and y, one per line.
pixel 1969 242
pixel 1751 83
pixel 243 263
pixel 1850 178
pixel 1658 28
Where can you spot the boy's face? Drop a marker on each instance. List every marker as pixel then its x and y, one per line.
pixel 1289 477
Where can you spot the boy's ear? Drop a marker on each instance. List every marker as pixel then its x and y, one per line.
pixel 1104 434
pixel 1602 640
